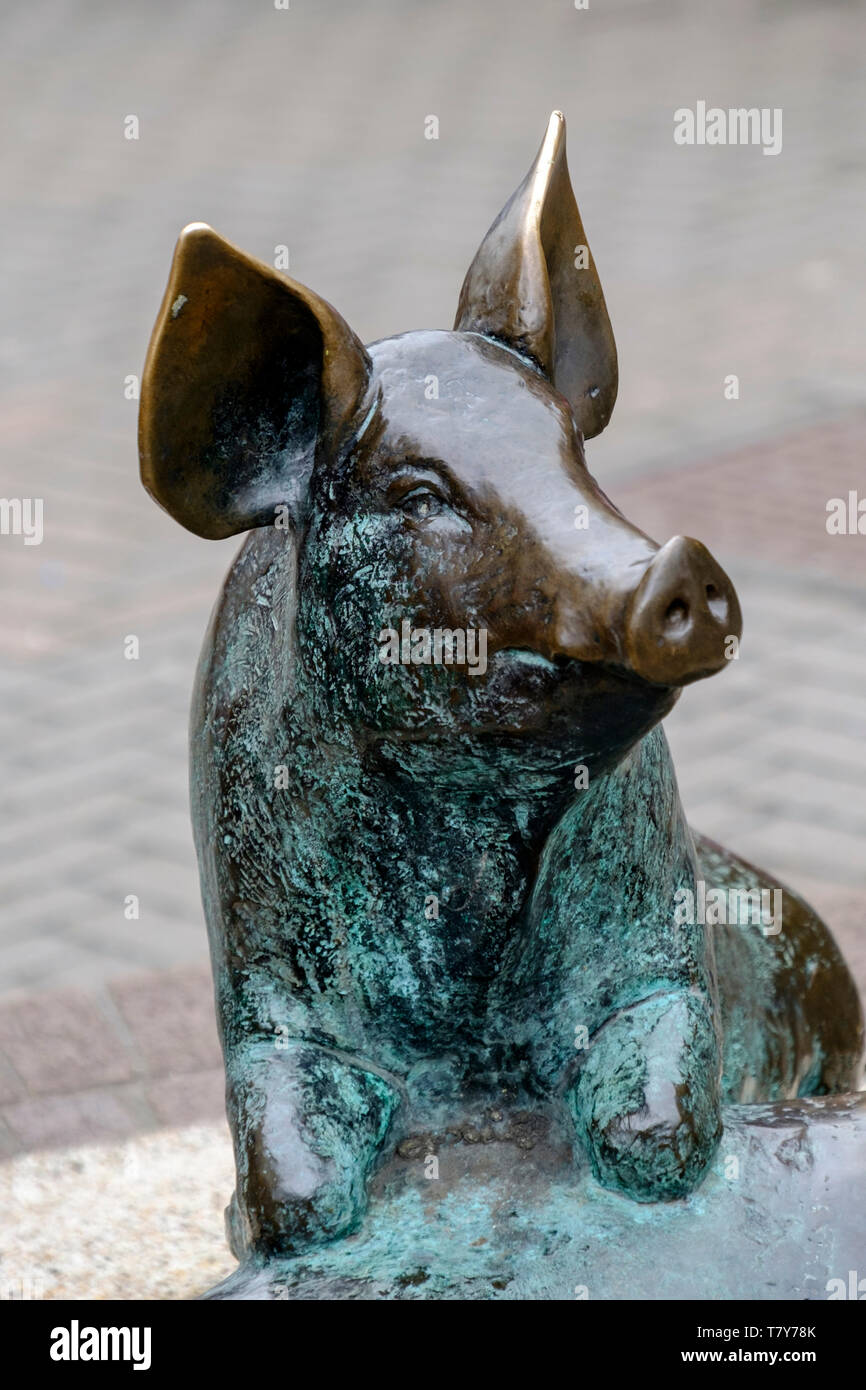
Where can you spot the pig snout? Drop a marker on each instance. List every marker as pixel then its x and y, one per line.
pixel 682 616
pixel 669 615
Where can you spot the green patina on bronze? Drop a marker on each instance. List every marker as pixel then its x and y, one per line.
pixel 442 901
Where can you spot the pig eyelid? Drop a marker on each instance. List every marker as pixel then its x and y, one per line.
pixel 411 480
pixel 418 487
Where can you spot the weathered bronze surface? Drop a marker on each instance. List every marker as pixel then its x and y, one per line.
pixel 444 897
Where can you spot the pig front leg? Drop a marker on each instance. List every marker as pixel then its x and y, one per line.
pixel 646 1101
pixel 308 1125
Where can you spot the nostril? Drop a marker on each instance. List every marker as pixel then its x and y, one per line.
pixel 676 614
pixel 716 602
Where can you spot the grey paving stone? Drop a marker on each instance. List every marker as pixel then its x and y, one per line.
pixel 60 1041
pixel 84 1117
pixel 171 1018
pixel 11 1085
pixel 192 1099
pixel 27 964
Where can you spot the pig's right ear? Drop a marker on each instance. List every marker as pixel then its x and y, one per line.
pixel 247 374
pixel 529 287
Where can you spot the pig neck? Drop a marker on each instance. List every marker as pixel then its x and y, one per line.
pixel 517 837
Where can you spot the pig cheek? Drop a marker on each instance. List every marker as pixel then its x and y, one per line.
pixel 366 596
pixel 399 575
pixel 450 583
pixel 371 574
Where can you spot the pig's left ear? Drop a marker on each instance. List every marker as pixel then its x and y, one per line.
pixel 247 374
pixel 534 285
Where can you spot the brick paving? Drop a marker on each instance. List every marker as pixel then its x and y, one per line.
pixel 85 1065
pixel 771 756
pixel 306 128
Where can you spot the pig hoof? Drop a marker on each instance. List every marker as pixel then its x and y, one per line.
pixel 650 1162
pixel 646 1102
pixel 296 1227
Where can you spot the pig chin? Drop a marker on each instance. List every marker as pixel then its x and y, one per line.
pixel 520 732
pixel 586 710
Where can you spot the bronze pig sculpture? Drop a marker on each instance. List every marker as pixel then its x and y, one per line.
pixel 440 839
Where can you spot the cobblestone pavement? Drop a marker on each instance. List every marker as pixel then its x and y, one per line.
pixel 306 128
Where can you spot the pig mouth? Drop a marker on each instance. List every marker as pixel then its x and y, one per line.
pixel 531 692
pixel 522 730
pixel 561 668
pixel 549 711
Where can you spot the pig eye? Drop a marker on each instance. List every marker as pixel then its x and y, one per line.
pixel 422 503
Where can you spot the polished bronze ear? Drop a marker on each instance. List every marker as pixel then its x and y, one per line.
pixel 534 286
pixel 247 373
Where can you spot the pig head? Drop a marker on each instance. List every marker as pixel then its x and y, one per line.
pixel 437 479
